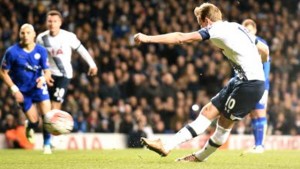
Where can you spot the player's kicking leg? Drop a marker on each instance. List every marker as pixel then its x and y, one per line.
pixel 195 128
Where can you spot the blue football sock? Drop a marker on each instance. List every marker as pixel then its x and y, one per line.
pixel 260 128
pixel 254 129
pixel 47 137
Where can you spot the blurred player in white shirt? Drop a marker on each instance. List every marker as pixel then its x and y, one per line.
pixel 232 103
pixel 59 44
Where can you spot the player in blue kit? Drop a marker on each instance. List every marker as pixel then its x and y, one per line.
pixel 259 119
pixel 24 68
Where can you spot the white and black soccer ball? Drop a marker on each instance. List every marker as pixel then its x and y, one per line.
pixel 58 122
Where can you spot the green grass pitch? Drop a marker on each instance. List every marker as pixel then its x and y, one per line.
pixel 144 159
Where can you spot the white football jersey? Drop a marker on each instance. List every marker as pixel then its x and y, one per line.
pixel 59 49
pixel 238 45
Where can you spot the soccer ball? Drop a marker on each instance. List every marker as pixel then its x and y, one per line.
pixel 58 122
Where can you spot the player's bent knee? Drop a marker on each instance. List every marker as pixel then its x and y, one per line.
pixel 209 111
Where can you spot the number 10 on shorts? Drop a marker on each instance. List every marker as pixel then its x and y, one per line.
pixel 230 103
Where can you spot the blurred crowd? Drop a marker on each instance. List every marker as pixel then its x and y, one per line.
pixel 157 88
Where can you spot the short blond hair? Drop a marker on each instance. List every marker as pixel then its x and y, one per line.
pixel 250 25
pixel 28 26
pixel 208 10
pixel 249 22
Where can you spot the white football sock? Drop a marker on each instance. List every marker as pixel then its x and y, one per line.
pixel 217 139
pixel 206 151
pixel 188 132
pixel 220 135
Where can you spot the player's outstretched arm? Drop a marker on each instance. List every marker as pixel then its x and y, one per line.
pixel 169 38
pixel 263 50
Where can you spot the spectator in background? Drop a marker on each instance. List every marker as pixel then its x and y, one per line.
pixel 9 123
pixel 159 127
pixel 109 89
pixel 80 124
pixel 94 122
pixel 168 88
pixel 297 123
pixel 137 88
pixel 156 123
pixel 178 120
pixel 127 123
pixel 135 135
pixel 282 126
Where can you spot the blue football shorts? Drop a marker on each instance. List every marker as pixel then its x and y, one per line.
pixel 35 95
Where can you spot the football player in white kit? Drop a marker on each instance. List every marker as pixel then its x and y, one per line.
pixel 59 44
pixel 232 103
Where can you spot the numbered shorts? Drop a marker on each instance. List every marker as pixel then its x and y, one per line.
pixel 59 89
pixel 238 98
pixel 35 95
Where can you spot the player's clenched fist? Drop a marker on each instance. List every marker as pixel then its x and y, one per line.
pixel 141 38
pixel 92 71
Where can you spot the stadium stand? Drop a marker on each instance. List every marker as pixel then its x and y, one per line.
pixel 157 85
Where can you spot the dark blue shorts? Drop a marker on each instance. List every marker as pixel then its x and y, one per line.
pixel 238 98
pixel 59 89
pixel 35 95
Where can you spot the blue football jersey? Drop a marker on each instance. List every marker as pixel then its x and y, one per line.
pixel 25 67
